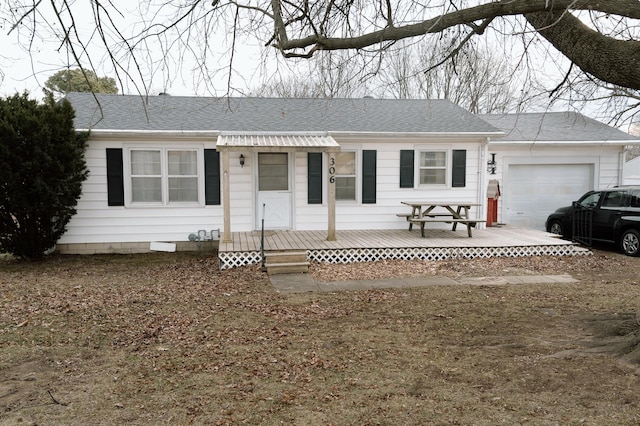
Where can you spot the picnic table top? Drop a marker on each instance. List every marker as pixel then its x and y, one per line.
pixel 440 203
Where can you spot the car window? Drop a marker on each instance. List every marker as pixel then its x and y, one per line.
pixel 590 200
pixel 635 199
pixel 613 199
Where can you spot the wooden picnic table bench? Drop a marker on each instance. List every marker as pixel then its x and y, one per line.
pixel 422 212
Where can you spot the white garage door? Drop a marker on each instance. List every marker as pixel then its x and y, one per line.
pixel 532 191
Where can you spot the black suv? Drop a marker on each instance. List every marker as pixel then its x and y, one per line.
pixel 610 215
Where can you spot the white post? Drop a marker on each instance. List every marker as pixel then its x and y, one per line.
pixel 331 204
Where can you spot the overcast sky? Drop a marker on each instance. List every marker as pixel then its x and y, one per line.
pixel 21 70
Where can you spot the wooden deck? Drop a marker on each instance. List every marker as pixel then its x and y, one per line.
pixel 353 246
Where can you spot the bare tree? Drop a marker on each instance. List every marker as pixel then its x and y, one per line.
pixel 598 39
pixel 473 78
pixel 328 75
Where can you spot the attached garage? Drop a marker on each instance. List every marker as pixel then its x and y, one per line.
pixel 535 190
pixel 547 160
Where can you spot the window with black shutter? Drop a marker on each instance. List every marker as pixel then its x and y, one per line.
pixel 459 168
pixel 314 178
pixel 406 168
pixel 115 177
pixel 369 176
pixel 212 177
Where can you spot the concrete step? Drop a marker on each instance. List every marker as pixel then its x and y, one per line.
pixel 286 262
pixel 285 256
pixel 287 268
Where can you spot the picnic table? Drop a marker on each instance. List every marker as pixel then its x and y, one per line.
pixel 454 212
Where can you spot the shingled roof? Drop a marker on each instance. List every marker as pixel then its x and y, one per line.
pixel 554 127
pixel 278 115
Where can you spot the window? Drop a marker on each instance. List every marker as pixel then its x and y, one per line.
pixel 273 172
pixel 164 176
pixel 613 199
pixel 635 199
pixel 146 177
pixel 433 167
pixel 346 175
pixel 590 200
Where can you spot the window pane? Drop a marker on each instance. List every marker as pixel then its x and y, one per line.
pixel 183 189
pixel 345 188
pixel 433 159
pixel 635 199
pixel 183 163
pixel 613 199
pixel 145 162
pixel 273 172
pixel 433 176
pixel 146 189
pixel 591 200
pixel 346 163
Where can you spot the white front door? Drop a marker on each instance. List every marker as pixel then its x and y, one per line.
pixel 274 191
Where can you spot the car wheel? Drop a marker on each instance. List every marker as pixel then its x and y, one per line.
pixel 556 227
pixel 630 242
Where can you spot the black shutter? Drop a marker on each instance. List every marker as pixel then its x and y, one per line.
pixel 368 176
pixel 115 177
pixel 211 177
pixel 459 168
pixel 314 178
pixel 406 168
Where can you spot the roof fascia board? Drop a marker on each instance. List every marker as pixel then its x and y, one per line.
pixel 565 143
pixel 145 134
pixel 407 135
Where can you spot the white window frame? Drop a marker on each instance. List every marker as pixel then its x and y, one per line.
pixel 447 167
pixel 357 176
pixel 164 175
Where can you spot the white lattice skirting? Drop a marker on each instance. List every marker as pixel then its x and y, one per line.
pixel 235 259
pixel 240 258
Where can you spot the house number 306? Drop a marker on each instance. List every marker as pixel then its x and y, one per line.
pixel 332 170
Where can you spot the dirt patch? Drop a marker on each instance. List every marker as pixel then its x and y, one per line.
pixel 25 383
pixel 171 339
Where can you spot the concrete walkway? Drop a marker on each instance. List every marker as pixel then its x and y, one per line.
pixel 302 283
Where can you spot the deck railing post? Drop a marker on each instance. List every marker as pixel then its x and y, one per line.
pixel 264 267
pixel 331 204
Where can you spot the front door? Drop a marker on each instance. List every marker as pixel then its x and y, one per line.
pixel 274 191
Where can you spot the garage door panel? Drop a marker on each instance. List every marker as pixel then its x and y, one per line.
pixel 532 191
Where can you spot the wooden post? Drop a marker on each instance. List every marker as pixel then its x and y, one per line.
pixel 331 204
pixel 226 234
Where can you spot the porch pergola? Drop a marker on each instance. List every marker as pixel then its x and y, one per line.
pixel 273 142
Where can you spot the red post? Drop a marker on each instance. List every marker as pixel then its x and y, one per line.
pixel 493 193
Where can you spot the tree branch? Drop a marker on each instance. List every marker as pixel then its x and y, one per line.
pixel 629 8
pixel 477 30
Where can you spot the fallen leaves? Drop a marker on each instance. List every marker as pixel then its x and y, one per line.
pixel 182 339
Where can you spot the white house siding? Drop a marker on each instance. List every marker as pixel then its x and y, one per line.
pixel 632 172
pixel 106 228
pixel 605 162
pixel 382 215
pixel 99 224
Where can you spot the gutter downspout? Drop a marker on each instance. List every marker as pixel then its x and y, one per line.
pixel 483 153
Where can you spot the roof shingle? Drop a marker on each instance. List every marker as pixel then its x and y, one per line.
pixel 283 115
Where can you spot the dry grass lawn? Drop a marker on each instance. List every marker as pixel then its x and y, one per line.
pixel 170 339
